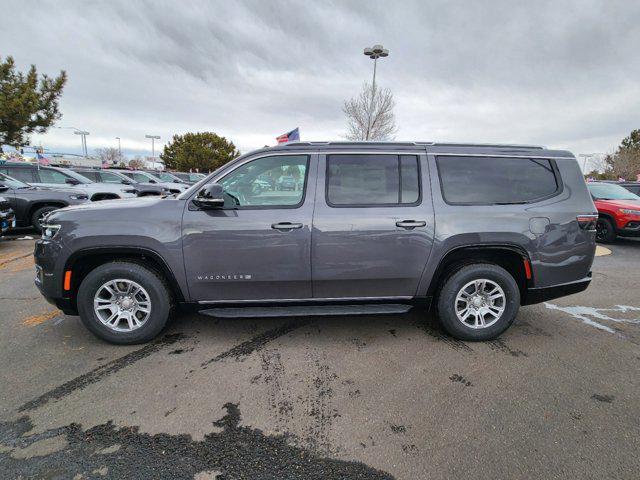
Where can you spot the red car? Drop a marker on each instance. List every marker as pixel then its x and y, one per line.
pixel 618 210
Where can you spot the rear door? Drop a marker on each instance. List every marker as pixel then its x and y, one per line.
pixel 373 224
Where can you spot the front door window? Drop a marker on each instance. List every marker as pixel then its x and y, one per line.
pixel 277 181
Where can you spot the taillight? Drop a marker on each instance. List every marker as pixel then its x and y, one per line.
pixel 587 222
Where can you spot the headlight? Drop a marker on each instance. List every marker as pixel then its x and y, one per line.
pixel 79 196
pixel 49 231
pixel 629 211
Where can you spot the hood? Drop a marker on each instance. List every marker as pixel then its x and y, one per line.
pixel 69 190
pixel 106 187
pixel 90 188
pixel 127 205
pixel 633 204
pixel 174 186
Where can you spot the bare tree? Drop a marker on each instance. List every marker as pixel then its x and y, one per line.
pixel 109 156
pixel 370 115
pixel 137 163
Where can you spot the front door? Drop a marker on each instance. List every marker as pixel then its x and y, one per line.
pixel 258 247
pixel 373 225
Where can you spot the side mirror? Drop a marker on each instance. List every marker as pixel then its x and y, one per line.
pixel 127 182
pixel 72 181
pixel 211 196
pixel 3 188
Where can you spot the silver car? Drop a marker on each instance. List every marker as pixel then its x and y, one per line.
pixel 56 177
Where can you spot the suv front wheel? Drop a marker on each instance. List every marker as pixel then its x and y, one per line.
pixel 478 302
pixel 124 302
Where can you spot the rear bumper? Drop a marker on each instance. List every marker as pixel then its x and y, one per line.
pixel 542 294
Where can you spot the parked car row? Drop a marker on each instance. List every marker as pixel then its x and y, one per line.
pixel 29 192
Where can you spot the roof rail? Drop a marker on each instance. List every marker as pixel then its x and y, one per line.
pixel 443 144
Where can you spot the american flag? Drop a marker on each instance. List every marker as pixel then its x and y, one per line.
pixel 42 160
pixel 289 136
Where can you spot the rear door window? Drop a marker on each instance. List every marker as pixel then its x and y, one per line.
pixel 22 174
pixel 369 180
pixel 109 177
pixel 90 175
pixel 496 180
pixel 52 176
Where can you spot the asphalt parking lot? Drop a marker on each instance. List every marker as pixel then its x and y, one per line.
pixel 557 396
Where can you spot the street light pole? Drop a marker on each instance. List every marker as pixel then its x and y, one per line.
pixel 375 52
pixel 83 140
pixel 84 134
pixel 119 149
pixel 153 148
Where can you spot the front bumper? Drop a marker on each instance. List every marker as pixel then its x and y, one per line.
pixel 542 294
pixel 630 229
pixel 50 261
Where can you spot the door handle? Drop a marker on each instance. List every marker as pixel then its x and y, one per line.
pixel 286 226
pixel 410 224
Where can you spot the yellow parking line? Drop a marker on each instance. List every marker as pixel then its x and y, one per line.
pixel 38 319
pixel 601 251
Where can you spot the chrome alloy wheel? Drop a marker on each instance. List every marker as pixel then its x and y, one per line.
pixel 480 303
pixel 122 305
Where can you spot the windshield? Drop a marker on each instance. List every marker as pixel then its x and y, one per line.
pixel 146 175
pixel 609 191
pixel 77 176
pixel 12 182
pixel 167 177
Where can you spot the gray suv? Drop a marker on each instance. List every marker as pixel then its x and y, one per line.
pixel 474 231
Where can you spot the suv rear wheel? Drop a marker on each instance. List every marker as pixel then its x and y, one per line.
pixel 478 302
pixel 124 303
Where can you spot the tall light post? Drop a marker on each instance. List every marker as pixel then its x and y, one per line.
pixel 588 156
pixel 153 146
pixel 83 140
pixel 84 134
pixel 119 148
pixel 374 53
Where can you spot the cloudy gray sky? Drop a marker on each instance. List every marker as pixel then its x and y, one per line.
pixel 563 74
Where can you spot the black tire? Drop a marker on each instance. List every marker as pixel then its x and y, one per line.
pixel 37 215
pixel 154 284
pixel 605 231
pixel 446 301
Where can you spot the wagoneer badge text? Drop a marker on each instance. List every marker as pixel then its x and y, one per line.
pixel 232 276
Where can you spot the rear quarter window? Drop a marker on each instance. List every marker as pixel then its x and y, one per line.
pixel 496 180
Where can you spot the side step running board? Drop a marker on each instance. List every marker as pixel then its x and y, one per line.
pixel 306 310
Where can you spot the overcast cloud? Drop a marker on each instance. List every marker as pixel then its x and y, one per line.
pixel 562 74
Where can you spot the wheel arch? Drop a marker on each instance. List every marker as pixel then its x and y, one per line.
pixel 85 260
pixel 35 205
pixel 511 257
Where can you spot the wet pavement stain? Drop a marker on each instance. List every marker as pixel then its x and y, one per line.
pixel 603 398
pixel 257 343
pixel 100 372
pixel 236 452
pixel 398 428
pixel 279 397
pixel 444 338
pixel 500 346
pixel 456 378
